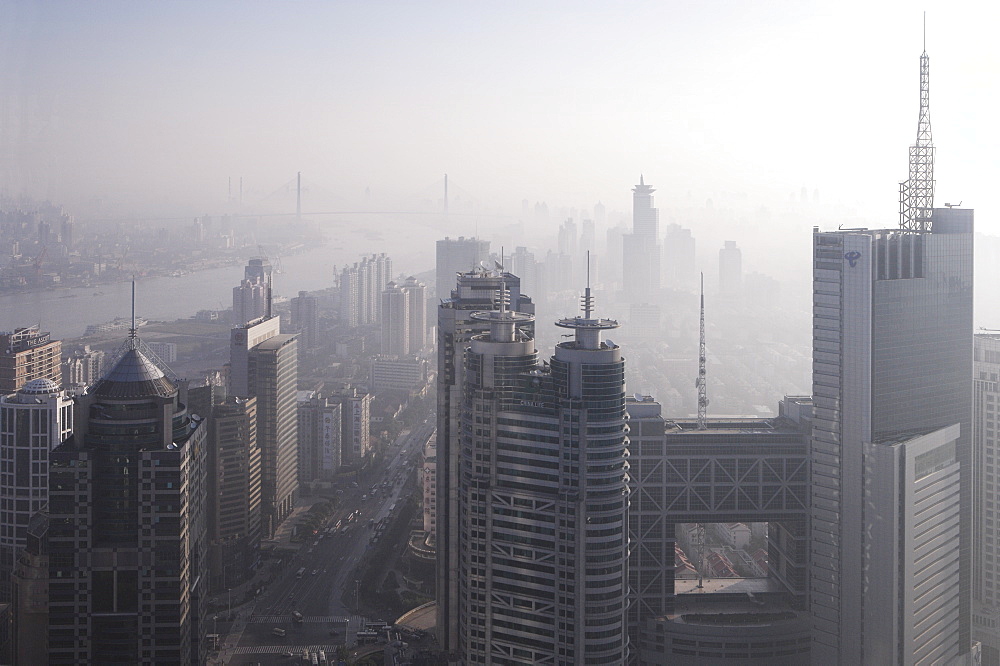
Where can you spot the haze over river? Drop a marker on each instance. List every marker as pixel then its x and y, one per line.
pixel 66 313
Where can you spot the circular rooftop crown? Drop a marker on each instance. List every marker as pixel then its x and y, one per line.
pixel 40 386
pixel 134 376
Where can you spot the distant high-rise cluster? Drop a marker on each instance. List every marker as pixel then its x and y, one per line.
pixel 82 367
pixel 360 288
pixel 403 322
pixel 252 298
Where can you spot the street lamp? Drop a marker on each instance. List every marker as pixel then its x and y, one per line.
pixel 230 591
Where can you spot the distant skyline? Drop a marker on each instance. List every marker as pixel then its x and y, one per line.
pixel 152 107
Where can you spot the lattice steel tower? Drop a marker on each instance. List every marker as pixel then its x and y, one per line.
pixel 916 194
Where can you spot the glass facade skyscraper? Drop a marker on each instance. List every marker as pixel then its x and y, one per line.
pixel 892 357
pixel 543 497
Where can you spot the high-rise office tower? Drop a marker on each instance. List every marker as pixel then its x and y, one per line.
pixel 986 491
pixel 395 321
pixel 891 539
pixel 233 509
pixel 355 421
pixel 524 265
pixel 679 258
pixel 252 298
pixel 26 354
pixel 457 255
pixel 33 421
pixel 125 541
pixel 476 291
pixel 543 497
pixel 349 294
pixel 304 312
pixel 272 378
pixel 319 437
pixel 730 270
pixel 416 295
pixel 641 248
pixel 891 475
pixel 241 340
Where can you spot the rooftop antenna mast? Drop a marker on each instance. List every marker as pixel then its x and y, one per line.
pixel 132 329
pixel 916 194
pixel 700 382
pixel 588 299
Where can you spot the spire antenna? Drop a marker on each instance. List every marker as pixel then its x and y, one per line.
pixel 132 329
pixel 700 382
pixel 916 193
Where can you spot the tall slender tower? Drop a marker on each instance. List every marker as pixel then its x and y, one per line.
pixel 543 497
pixel 641 249
pixel 916 193
pixel 891 479
pixel 476 291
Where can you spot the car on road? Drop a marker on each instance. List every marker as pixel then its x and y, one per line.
pixel 315 571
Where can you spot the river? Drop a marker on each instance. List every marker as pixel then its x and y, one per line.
pixel 66 313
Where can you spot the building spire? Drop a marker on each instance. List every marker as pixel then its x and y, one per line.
pixel 916 194
pixel 132 329
pixel 700 382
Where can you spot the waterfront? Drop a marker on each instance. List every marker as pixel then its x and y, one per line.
pixel 66 312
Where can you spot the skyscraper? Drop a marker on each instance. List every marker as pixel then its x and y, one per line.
pixel 641 249
pixel 252 298
pixel 543 497
pixel 360 289
pixel 33 421
pixel 125 541
pixel 985 452
pixel 891 486
pixel 416 295
pixel 476 291
pixel 319 437
pixel 355 421
pixel 233 508
pixel 457 255
pixel 395 321
pixel 304 311
pixel 730 270
pixel 679 258
pixel 26 354
pixel 892 359
pixel 272 379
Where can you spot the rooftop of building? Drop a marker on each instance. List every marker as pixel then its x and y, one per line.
pixel 134 375
pixel 276 342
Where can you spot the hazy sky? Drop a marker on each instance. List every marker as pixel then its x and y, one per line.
pixel 152 106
